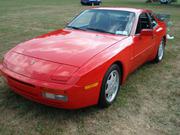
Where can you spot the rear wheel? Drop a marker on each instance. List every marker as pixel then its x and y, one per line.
pixel 98 3
pixel 110 86
pixel 95 3
pixel 164 1
pixel 160 51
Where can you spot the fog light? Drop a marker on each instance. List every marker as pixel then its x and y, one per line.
pixel 54 96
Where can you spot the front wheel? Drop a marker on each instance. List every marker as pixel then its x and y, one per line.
pixel 160 52
pixel 110 86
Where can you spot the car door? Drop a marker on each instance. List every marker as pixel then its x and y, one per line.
pixel 142 43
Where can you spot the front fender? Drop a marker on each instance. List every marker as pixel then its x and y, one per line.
pixel 95 69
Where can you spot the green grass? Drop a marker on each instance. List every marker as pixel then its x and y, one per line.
pixel 149 102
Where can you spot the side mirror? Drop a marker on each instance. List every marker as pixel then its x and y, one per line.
pixel 154 23
pixel 146 32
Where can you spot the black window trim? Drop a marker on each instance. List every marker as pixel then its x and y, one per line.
pixel 147 13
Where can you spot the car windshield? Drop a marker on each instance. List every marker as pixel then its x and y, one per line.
pixel 107 21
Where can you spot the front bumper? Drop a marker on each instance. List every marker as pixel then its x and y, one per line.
pixel 33 90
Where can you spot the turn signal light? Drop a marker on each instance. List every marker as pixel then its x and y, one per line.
pixel 90 86
pixel 63 73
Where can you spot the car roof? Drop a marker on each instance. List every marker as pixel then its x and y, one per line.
pixel 135 10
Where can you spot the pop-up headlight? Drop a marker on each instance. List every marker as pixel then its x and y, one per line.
pixel 63 73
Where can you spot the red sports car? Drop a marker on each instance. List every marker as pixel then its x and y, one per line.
pixel 85 63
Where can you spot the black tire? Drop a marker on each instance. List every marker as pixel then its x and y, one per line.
pixel 98 3
pixel 82 3
pixel 95 3
pixel 158 57
pixel 164 2
pixel 103 103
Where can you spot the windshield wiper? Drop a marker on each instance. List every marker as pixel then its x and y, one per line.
pixel 76 28
pixel 99 30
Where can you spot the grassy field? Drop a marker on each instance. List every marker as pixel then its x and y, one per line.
pixel 149 103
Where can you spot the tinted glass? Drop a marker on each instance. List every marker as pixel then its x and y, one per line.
pixel 143 23
pixel 108 21
pixel 153 20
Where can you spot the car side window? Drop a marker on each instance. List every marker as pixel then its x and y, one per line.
pixel 153 20
pixel 143 23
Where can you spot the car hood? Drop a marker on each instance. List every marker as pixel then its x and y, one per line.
pixel 71 47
